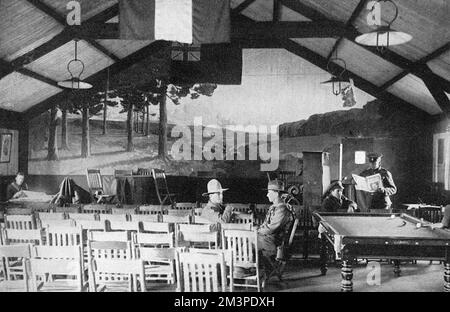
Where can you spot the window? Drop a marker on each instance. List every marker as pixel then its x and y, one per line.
pixel 441 159
pixel 360 157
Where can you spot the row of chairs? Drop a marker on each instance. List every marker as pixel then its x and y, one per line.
pixel 107 260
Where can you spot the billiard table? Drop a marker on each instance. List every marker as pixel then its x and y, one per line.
pixel 381 236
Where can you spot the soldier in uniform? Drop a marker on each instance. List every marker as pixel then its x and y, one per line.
pixel 380 199
pixel 275 229
pixel 215 211
pixel 334 199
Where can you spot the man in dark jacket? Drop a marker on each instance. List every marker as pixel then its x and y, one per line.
pixel 380 198
pixel 275 229
pixel 214 210
pixel 14 190
pixel 335 200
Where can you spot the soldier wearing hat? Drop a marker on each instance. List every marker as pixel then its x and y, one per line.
pixel 334 199
pixel 276 227
pixel 380 199
pixel 214 210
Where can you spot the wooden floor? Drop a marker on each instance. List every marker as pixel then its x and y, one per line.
pixel 304 276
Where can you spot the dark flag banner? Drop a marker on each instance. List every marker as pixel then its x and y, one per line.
pixel 185 21
pixel 219 64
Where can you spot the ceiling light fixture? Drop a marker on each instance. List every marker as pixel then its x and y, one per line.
pixel 383 36
pixel 75 68
pixel 337 80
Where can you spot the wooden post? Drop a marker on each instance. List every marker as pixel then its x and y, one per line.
pixel 52 144
pixel 162 152
pixel 130 123
pixel 85 140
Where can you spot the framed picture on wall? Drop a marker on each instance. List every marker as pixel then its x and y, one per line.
pixel 5 147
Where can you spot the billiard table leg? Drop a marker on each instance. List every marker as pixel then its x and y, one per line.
pixel 397 270
pixel 347 276
pixel 447 276
pixel 323 255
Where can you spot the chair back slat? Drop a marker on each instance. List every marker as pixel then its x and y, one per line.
pixel 123 211
pixel 238 207
pixel 44 216
pixel 145 218
pixel 99 209
pixel 236 226
pixel 109 236
pixel 239 217
pixel 68 210
pixel 152 209
pixel 82 216
pixel 112 217
pixel 20 222
pixel 92 225
pixel 179 212
pixel 64 236
pixel 156 227
pixel 124 226
pixel 155 239
pixel 176 219
pixel 18 211
pixel 59 223
pixel 23 236
pixel 185 206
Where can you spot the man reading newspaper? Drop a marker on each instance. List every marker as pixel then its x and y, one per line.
pixel 375 185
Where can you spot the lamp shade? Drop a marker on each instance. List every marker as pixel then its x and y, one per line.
pixel 74 83
pixel 383 37
pixel 335 79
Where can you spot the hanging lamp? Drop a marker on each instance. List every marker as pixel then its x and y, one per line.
pixel 384 36
pixel 336 80
pixel 75 72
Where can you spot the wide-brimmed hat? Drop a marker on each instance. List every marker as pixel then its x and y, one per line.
pixel 214 186
pixel 275 185
pixel 373 156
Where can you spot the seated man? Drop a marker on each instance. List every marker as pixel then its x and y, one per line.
pixel 277 224
pixel 215 211
pixel 14 190
pixel 334 199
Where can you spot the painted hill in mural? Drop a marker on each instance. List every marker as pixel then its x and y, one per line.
pixel 376 118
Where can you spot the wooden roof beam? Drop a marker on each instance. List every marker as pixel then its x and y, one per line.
pixel 115 68
pixel 360 82
pixel 41 6
pixel 356 12
pixel 436 91
pixel 352 33
pixel 6 69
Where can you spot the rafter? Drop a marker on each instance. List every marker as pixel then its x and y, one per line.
pixel 68 34
pixel 436 53
pixel 437 92
pixel 6 69
pixel 360 82
pixel 352 33
pixel 98 77
pixel 241 7
pixel 356 12
pixel 47 10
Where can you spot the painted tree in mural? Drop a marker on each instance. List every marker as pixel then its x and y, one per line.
pixel 89 103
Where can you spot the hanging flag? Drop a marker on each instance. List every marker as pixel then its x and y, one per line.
pixel 219 64
pixel 185 21
pixel 348 96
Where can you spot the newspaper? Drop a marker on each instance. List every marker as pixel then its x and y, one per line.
pixel 368 184
pixel 32 196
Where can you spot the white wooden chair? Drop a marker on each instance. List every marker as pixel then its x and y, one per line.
pixel 185 206
pixel 98 209
pixel 201 272
pixel 192 238
pixel 13 237
pixel 145 218
pixel 176 219
pixel 58 223
pixel 155 240
pixel 244 247
pixel 198 211
pixel 125 211
pixel 157 227
pixel 108 250
pixel 131 226
pixel 57 269
pixel 20 222
pixel 95 184
pixel 159 263
pixel 236 226
pixel 96 236
pixel 238 207
pixel 153 209
pixel 118 275
pixel 14 265
pixel 82 216
pixel 111 217
pixel 240 217
pixel 46 217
